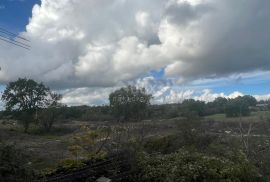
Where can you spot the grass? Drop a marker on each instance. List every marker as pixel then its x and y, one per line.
pixel 262 114
pixel 216 117
pixel 47 149
pixel 54 132
pixel 254 116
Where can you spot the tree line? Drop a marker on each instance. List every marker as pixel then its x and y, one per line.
pixel 28 101
pixel 235 107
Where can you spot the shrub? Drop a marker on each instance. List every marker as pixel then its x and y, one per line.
pixel 14 166
pixel 184 166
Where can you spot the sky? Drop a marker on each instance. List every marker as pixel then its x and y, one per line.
pixel 176 49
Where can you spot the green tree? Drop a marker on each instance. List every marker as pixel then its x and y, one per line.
pixel 130 103
pixel 218 105
pixel 191 108
pixel 48 115
pixel 239 106
pixel 23 97
pixel 249 100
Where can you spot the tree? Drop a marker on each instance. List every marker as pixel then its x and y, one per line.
pixel 218 104
pixel 48 115
pixel 24 96
pixel 191 108
pixel 249 100
pixel 130 103
pixel 239 106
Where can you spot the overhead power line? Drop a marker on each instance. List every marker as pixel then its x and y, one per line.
pixel 24 44
pixel 14 39
pixel 12 42
pixel 12 34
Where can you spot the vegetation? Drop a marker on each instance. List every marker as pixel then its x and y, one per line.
pixel 48 115
pixel 89 144
pixel 14 165
pixel 184 166
pixel 239 106
pixel 24 96
pixel 129 103
pixel 223 140
pixel 191 108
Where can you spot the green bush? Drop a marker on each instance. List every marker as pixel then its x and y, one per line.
pixel 163 145
pixel 185 166
pixel 14 166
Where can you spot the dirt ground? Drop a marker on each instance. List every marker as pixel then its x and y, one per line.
pixel 46 150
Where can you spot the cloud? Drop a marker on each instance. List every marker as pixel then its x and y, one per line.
pixel 86 96
pixel 208 95
pixel 75 42
pixel 91 46
pixel 103 43
pixel 182 13
pixel 265 97
pixel 162 93
pixel 225 41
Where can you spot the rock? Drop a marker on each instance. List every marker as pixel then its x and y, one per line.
pixel 103 179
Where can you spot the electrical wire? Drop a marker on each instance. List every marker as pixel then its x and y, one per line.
pixel 12 34
pixel 11 42
pixel 14 39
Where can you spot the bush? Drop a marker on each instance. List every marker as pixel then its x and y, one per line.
pixel 164 145
pixel 184 166
pixel 14 166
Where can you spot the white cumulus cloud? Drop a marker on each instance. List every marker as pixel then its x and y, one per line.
pixel 96 44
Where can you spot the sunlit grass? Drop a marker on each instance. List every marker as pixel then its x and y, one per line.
pixel 254 116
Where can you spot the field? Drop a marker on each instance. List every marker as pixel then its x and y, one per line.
pixel 254 116
pixel 47 150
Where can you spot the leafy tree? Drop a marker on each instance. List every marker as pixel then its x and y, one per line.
pixel 130 103
pixel 249 100
pixel 24 96
pixel 239 106
pixel 218 105
pixel 192 108
pixel 48 115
